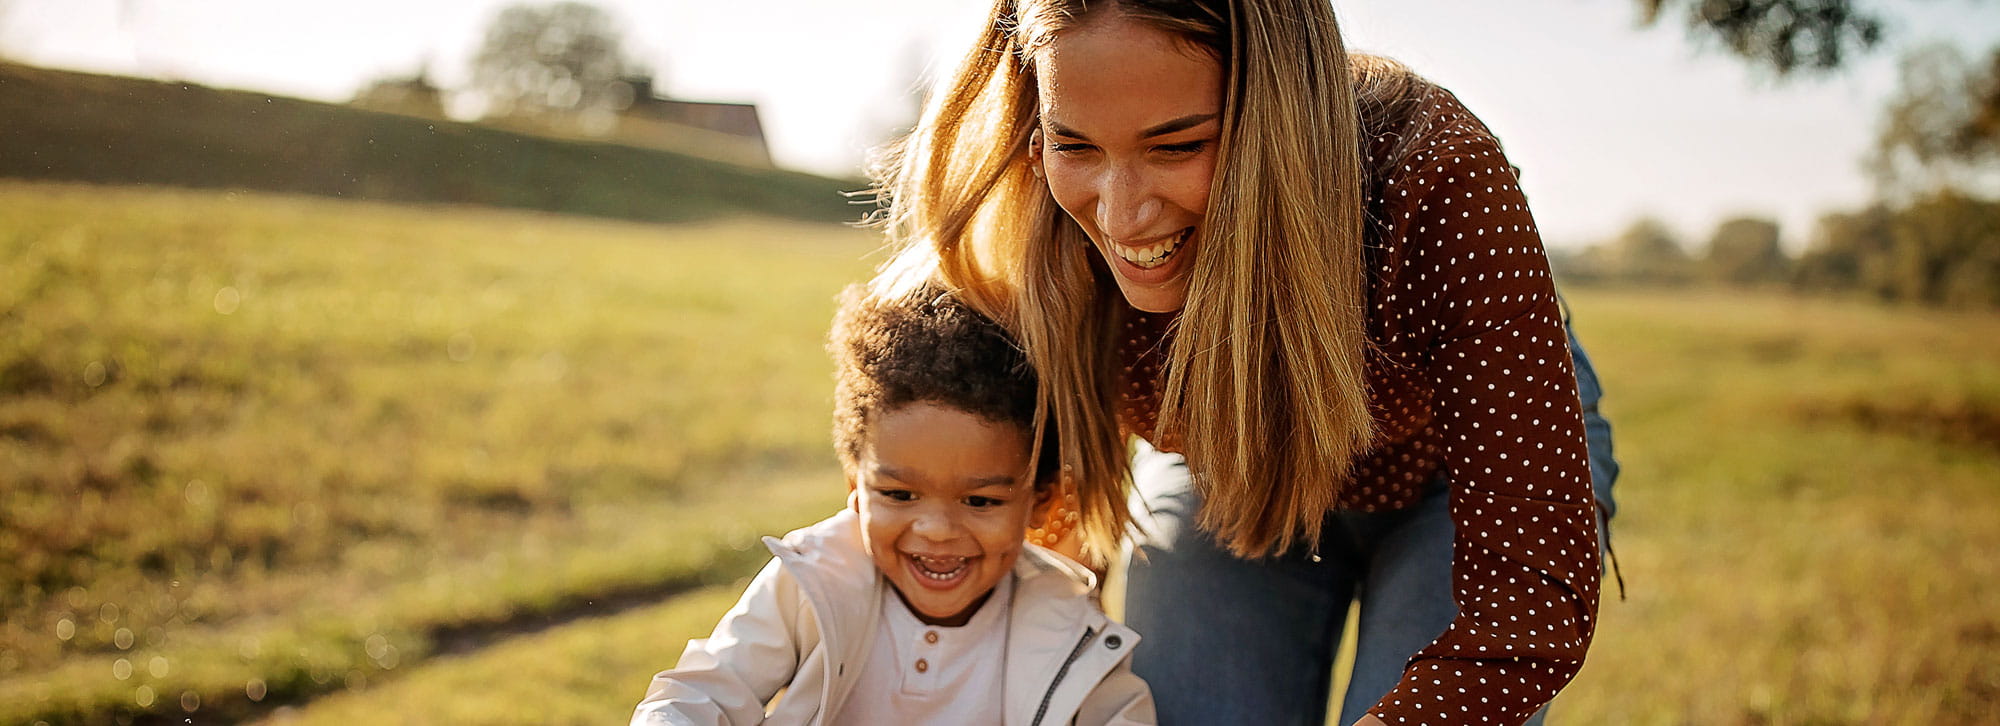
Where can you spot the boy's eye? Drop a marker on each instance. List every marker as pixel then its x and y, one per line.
pixel 897 495
pixel 982 502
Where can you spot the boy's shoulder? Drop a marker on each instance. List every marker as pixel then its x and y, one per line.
pixel 1038 562
pixel 837 535
pixel 826 555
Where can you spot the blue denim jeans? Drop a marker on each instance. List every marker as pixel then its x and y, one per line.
pixel 1230 641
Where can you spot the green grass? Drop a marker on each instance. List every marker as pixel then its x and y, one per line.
pixel 583 673
pixel 415 428
pixel 247 433
pixel 1808 513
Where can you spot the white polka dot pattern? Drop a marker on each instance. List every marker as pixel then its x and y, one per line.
pixel 1471 372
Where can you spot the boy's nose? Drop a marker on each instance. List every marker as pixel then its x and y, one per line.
pixel 933 525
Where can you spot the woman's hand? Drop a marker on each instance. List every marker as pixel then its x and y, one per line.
pixel 1369 719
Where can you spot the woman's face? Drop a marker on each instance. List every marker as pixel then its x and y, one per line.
pixel 1130 118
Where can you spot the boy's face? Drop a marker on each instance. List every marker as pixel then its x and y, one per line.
pixel 944 498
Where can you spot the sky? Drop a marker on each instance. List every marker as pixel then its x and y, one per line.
pixel 1608 120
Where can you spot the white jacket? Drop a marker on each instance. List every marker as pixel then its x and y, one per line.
pixel 809 619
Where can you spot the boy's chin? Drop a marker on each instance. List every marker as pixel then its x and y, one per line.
pixel 941 612
pixel 947 607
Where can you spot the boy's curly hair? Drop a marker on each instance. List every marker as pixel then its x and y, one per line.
pixel 925 345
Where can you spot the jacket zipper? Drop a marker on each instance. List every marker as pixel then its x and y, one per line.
pixel 1074 653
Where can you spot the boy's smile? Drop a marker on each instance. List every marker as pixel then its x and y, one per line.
pixel 944 498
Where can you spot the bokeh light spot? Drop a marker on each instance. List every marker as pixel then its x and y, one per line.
pixel 227 300
pixel 197 493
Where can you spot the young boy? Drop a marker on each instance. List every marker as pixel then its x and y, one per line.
pixel 919 603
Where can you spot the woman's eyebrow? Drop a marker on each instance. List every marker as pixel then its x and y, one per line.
pixel 1056 128
pixel 1180 124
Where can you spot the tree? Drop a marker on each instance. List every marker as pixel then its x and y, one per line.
pixel 1787 36
pixel 1792 37
pixel 1646 252
pixel 1849 251
pixel 1745 251
pixel 553 65
pixel 1947 251
pixel 1942 127
pixel 1941 249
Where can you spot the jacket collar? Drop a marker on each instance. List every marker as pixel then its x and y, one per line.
pixel 1056 634
pixel 839 581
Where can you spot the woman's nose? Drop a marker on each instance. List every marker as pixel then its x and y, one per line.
pixel 1126 207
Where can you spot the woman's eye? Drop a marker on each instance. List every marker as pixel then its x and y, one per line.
pixel 1067 148
pixel 1191 147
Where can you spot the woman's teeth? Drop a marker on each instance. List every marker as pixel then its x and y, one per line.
pixel 1154 255
pixel 939 568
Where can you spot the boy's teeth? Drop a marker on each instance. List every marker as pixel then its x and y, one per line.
pixel 1151 256
pixel 939 568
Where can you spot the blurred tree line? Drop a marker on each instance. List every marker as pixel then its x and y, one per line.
pixel 1938 248
pixel 1931 236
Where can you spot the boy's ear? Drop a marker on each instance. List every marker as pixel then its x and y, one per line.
pixel 853 495
pixel 1045 496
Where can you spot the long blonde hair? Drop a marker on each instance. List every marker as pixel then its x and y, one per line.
pixel 1265 389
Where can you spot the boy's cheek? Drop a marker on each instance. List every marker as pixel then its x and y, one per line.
pixel 869 542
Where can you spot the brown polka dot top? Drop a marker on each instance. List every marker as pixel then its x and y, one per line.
pixel 1471 376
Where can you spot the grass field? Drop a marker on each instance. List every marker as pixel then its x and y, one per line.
pixel 306 461
pixel 288 445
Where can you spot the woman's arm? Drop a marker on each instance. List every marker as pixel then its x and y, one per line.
pixel 1474 281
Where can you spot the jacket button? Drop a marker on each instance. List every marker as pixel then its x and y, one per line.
pixel 1113 642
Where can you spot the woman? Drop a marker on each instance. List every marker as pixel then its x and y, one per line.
pixel 1310 284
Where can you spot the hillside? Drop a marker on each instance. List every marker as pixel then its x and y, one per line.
pixel 58 125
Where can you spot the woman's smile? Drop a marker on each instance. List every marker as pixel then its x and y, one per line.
pixel 1150 255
